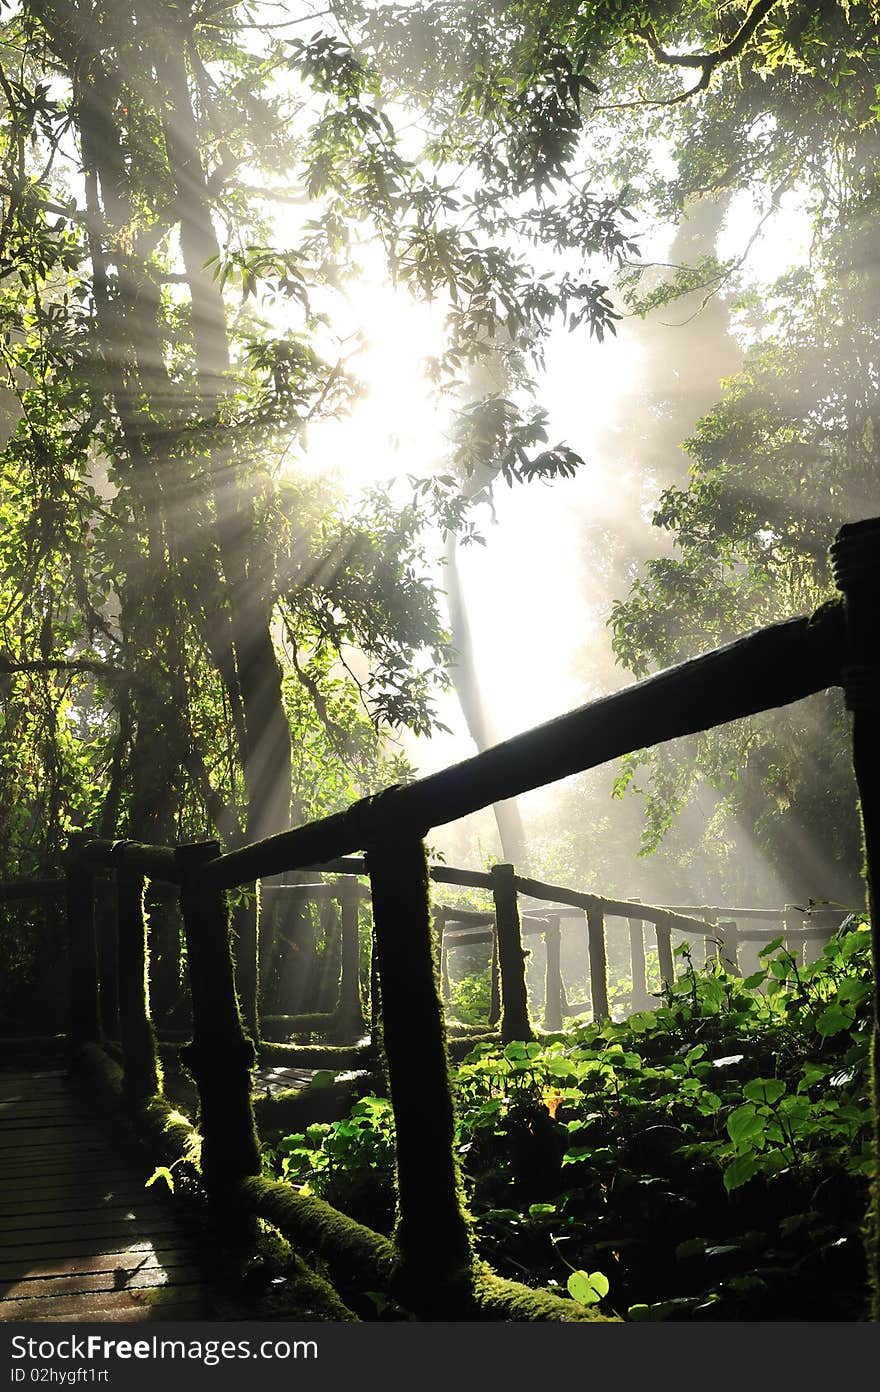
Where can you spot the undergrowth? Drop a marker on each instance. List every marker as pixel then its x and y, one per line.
pixel 705 1160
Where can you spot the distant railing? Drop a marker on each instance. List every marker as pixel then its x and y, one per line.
pixel 431 1256
pixel 544 910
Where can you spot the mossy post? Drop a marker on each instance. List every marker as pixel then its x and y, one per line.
pixel 323 995
pixel 431 1234
pixel 728 946
pixel 85 1008
pixel 141 1072
pixel 221 1056
pixel 664 955
pixel 553 976
pixel 638 966
pixel 515 1022
pixel 351 1022
pixel 246 923
pixel 442 950
pixel 495 986
pixel 855 559
pixel 106 931
pixel 598 963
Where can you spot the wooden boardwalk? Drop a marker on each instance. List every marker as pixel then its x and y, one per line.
pixel 80 1236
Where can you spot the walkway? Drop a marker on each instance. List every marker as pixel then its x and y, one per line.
pixel 80 1236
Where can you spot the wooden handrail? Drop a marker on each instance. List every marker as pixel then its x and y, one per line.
pixel 772 667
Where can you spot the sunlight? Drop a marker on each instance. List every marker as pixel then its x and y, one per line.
pixel 397 427
pixel 538 653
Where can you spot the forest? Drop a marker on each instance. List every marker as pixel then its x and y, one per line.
pixel 456 928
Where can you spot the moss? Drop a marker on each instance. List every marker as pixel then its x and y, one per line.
pixel 515 1022
pixel 498 1299
pixel 286 1287
pixel 221 1056
pixel 432 1232
pixel 143 1075
pixel 317 1055
pixel 296 1108
pixel 461 1047
pixel 352 1252
pixel 283 1027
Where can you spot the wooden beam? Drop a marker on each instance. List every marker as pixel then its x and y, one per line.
pixel 773 667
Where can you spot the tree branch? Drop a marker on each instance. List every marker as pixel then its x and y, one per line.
pixel 708 62
pixel 705 62
pixel 12 665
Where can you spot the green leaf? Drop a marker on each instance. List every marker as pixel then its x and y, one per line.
pixel 833 1019
pixel 161 1172
pixel 588 1288
pixel 766 1090
pixel 744 1124
pixel 740 1171
pixel 324 1078
pixel 639 1312
pixel 693 1247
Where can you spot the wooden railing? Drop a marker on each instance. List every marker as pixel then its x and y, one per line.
pixel 544 910
pixel 431 1256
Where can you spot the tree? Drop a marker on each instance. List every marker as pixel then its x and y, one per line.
pixel 187 585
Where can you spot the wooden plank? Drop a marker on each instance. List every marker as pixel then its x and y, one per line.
pixel 145 1258
pixel 74 1246
pixel 90 1230
pixel 79 1283
pixel 73 1202
pixel 93 1306
pixel 65 1181
pixel 52 1165
pixel 36 1106
pixel 35 1137
pixel 195 1308
pixel 80 1236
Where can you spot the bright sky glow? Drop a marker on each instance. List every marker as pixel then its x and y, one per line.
pixel 530 608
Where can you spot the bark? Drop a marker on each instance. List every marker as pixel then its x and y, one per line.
pixel 465 679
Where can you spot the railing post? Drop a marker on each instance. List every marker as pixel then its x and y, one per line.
pixel 598 963
pixel 351 1023
pixel 553 976
pixel 85 1009
pixel 431 1233
pixel 640 998
pixel 664 955
pixel 494 985
pixel 515 1023
pixel 728 946
pixel 221 1056
pixel 855 559
pixel 246 924
pixel 108 966
pixel 141 1072
pixel 442 954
